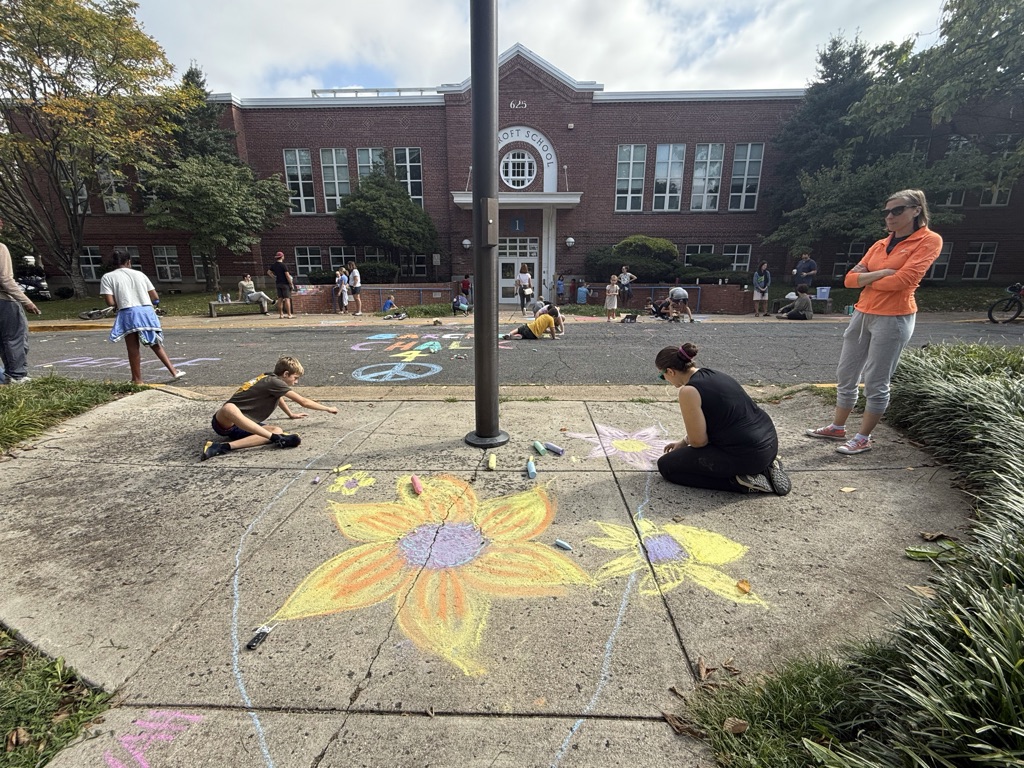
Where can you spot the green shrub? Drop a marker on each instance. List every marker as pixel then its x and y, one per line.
pixel 378 272
pixel 321 277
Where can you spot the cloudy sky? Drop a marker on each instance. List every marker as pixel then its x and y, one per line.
pixel 264 48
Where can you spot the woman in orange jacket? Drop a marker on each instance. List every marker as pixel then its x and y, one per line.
pixel 883 318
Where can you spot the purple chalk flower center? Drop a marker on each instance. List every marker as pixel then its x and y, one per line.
pixel 442 545
pixel 662 548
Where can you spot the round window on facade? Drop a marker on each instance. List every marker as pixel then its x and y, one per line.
pixel 518 169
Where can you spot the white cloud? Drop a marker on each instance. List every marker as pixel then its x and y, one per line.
pixel 261 48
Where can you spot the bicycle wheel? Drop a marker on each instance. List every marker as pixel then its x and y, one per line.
pixel 1005 310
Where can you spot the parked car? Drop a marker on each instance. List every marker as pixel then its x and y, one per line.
pixel 34 286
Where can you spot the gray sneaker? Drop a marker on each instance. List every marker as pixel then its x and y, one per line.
pixel 755 483
pixel 778 478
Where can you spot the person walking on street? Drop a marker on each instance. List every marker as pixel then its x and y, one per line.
pixel 284 285
pixel 132 293
pixel 13 324
pixel 524 282
pixel 883 317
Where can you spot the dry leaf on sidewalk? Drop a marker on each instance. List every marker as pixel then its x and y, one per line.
pixel 926 592
pixel 936 535
pixel 743 586
pixel 703 670
pixel 847 489
pixel 735 725
pixel 681 725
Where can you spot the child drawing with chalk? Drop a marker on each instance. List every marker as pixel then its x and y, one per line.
pixel 546 322
pixel 241 420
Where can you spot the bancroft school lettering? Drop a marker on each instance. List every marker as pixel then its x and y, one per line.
pixel 539 140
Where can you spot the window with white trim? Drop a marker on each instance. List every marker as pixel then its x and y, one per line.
pixel 413 265
pixel 367 158
pixel 740 255
pixel 707 176
pixel 955 144
pixel 939 267
pixel 298 175
pixel 409 172
pixel 341 255
pixel 669 160
pixel 198 269
pixel 915 146
pixel 165 259
pixel 846 261
pixel 371 253
pixel 133 251
pixel 980 258
pixel 113 189
pixel 746 176
pixel 695 249
pixel 307 259
pixel 91 263
pixel 997 194
pixel 518 168
pixel 629 177
pixel 81 204
pixel 334 167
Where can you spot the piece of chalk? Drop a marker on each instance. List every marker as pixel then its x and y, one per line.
pixel 531 469
pixel 417 485
pixel 557 450
pixel 342 468
pixel 563 545
pixel 316 480
pixel 492 461
pixel 539 448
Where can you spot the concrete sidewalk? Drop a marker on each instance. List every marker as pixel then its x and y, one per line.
pixel 399 641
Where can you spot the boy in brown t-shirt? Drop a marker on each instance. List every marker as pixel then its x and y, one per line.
pixel 241 418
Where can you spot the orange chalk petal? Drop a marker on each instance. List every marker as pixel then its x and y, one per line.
pixel 377 522
pixel 520 570
pixel 516 518
pixel 443 616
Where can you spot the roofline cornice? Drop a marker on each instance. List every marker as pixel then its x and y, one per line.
pixel 781 94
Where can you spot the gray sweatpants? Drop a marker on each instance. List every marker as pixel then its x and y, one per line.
pixel 872 346
pixel 13 339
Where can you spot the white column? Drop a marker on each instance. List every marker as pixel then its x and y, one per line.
pixel 549 249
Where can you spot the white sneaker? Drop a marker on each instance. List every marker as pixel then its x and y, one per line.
pixel 357 314
pixel 22 380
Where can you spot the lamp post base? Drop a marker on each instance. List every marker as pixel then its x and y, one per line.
pixel 477 441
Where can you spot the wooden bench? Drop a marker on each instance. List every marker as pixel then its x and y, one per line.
pixel 256 306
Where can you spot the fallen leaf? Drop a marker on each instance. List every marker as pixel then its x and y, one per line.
pixel 847 489
pixel 926 592
pixel 19 737
pixel 703 670
pixel 564 429
pixel 681 725
pixel 734 671
pixel 935 535
pixel 735 725
pixel 676 691
pixel 430 711
pixel 677 519
pixel 743 586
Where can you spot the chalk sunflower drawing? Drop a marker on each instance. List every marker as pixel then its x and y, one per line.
pixel 678 553
pixel 349 484
pixel 442 557
pixel 640 449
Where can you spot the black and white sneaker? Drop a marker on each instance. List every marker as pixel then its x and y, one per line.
pixel 778 478
pixel 757 483
pixel 286 440
pixel 212 449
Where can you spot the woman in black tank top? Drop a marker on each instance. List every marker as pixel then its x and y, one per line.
pixel 730 444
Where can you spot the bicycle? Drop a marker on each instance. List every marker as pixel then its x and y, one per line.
pixel 1007 310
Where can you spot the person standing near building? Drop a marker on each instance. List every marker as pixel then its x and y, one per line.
pixel 583 292
pixel 762 281
pixel 355 287
pixel 284 285
pixel 611 298
pixel 625 279
pixel 466 286
pixel 13 324
pixel 805 270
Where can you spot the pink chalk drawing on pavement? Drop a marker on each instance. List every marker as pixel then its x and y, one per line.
pixel 640 449
pixel 158 727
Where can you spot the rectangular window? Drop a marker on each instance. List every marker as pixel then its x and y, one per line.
pixel 165 259
pixel 197 266
pixel 696 249
pixel 341 255
pixel 91 263
pixel 956 144
pixel 113 189
pixel 707 176
pixel 629 177
pixel 740 255
pixel 307 259
pixel 133 251
pixel 915 146
pixel 668 176
pixel 409 171
pixel 373 254
pixel 980 258
pixel 298 175
pixel 81 203
pixel 939 267
pixel 746 177
pixel 367 158
pixel 997 194
pixel 334 167
pixel 413 265
pixel 846 261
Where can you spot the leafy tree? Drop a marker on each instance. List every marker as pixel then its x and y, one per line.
pixel 381 214
pixel 220 204
pixel 202 186
pixel 81 88
pixel 649 258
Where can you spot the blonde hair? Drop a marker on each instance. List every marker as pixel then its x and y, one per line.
pixel 288 365
pixel 915 198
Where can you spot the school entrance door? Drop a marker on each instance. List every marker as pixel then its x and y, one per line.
pixel 513 252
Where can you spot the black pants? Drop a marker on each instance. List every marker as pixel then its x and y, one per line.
pixel 794 315
pixel 714 468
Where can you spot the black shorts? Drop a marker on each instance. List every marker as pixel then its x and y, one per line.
pixel 284 291
pixel 525 332
pixel 355 289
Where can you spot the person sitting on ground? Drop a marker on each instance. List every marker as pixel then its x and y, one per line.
pixel 543 323
pixel 242 418
pixel 730 443
pixel 661 309
pixel 247 292
pixel 800 309
pixel 389 305
pixel 536 305
pixel 460 304
pixel 679 298
pixel 551 309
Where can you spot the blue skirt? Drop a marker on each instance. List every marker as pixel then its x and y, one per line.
pixel 140 320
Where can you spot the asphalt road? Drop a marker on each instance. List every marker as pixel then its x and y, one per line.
pixel 414 352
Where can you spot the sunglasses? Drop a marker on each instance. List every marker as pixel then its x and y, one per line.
pixel 895 210
pixel 662 374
